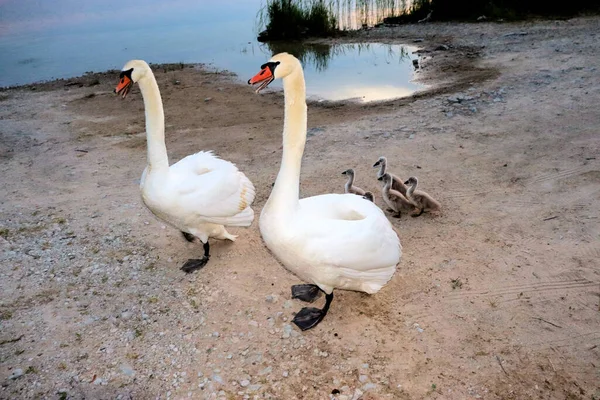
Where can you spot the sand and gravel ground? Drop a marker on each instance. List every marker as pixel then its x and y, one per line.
pixel 498 298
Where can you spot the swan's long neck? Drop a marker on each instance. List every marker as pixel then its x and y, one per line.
pixel 382 169
pixel 286 191
pixel 350 182
pixel 155 123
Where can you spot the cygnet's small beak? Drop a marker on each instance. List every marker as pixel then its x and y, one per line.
pixel 376 164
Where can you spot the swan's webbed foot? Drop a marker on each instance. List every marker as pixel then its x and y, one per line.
pixel 192 265
pixel 306 292
pixel 189 237
pixel 419 214
pixel 309 317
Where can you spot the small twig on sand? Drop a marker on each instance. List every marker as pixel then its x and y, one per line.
pixel 11 340
pixel 81 150
pixel 548 322
pixel 549 218
pixel 552 364
pixel 501 366
pixel 433 147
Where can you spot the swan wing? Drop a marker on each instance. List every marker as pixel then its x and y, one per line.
pixel 347 231
pixel 212 186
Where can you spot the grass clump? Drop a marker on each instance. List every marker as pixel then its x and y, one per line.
pixel 293 20
pixel 470 10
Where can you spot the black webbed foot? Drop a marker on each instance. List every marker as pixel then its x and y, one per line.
pixel 306 292
pixel 192 265
pixel 308 318
pixel 189 237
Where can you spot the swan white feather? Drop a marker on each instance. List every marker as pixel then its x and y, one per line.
pixel 201 193
pixel 332 240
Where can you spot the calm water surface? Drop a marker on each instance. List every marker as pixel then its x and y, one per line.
pixel 41 40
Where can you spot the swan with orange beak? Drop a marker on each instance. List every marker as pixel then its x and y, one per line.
pixel 201 193
pixel 331 241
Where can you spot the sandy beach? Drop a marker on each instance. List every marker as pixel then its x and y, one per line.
pixel 497 298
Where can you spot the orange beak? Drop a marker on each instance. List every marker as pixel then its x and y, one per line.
pixel 124 86
pixel 263 78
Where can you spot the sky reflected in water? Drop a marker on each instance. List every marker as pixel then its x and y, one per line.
pixel 42 40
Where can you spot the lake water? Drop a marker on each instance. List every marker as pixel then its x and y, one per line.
pixel 42 40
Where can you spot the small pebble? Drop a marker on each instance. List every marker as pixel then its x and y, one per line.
pixel 16 373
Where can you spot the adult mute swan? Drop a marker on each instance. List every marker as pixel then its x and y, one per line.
pixel 333 241
pixel 198 195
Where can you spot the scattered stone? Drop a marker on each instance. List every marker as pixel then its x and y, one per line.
pixel 244 383
pixel 207 99
pixel 415 63
pixel 369 386
pixel 314 131
pixel 253 323
pixel 357 394
pixel 271 298
pixel 266 371
pixel 449 114
pixel 363 378
pixel 16 373
pixel 285 374
pixel 287 331
pixel 127 370
pixel 288 304
pixel 418 40
pixel 442 47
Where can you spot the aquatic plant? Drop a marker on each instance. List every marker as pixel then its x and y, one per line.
pixel 292 20
pixel 298 19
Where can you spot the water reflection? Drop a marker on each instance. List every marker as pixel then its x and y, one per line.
pixel 354 14
pixel 359 71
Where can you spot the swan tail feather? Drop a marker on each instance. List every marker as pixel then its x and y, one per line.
pixel 367 281
pixel 243 219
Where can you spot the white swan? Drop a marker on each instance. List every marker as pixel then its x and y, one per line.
pixel 199 194
pixel 332 240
